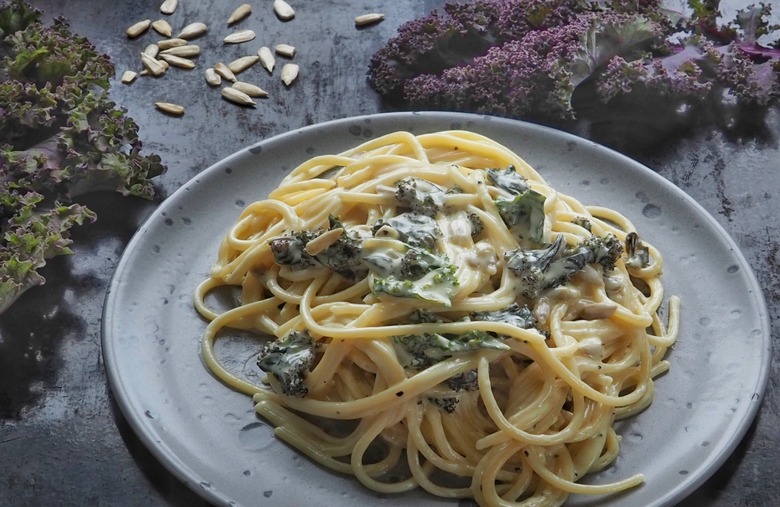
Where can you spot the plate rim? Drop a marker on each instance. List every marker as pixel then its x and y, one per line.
pixel 173 463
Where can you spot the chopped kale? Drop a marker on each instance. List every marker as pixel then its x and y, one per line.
pixel 291 250
pixel 555 264
pixel 436 286
pixel 423 350
pixel 288 360
pixel 466 381
pixel 514 314
pixel 388 257
pixel 421 316
pixel 446 403
pixel 420 195
pixel 605 250
pixel 508 179
pixel 343 256
pixel 524 215
pixel 476 223
pixel 413 228
pixel 582 222
pixel 637 252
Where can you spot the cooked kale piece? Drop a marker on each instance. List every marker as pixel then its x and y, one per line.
pixel 554 265
pixel 343 256
pixel 288 360
pixel 524 215
pixel 508 179
pixel 466 381
pixel 637 252
pixel 413 228
pixel 436 286
pixel 420 351
pixel 420 195
pixel 514 314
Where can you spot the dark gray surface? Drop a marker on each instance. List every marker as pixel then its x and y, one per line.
pixel 62 439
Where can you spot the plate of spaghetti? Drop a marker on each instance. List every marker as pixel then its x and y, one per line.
pixel 435 308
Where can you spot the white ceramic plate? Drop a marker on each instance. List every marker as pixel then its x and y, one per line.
pixel 209 436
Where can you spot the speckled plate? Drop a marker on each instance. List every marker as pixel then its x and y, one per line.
pixel 209 436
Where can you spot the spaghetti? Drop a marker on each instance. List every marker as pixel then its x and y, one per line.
pixel 433 315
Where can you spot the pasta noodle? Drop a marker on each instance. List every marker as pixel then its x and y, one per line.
pixel 431 314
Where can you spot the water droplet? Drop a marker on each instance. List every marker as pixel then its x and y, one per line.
pixel 355 130
pixel 683 472
pixel 268 493
pixel 240 203
pixel 231 417
pixel 168 222
pixel 247 472
pixel 228 170
pixel 732 269
pixel 205 485
pixel 156 248
pixel 705 321
pixel 256 436
pixel 635 437
pixel 186 220
pixel 651 211
pixel 148 414
pixel 736 313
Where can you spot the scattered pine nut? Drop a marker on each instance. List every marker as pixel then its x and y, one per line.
pixel 167 107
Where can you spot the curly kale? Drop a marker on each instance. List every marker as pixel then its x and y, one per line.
pixel 554 265
pixel 524 215
pixel 559 61
pixel 413 228
pixel 420 195
pixel 466 381
pixel 60 137
pixel 637 253
pixel 406 271
pixel 443 40
pixel 514 314
pixel 420 351
pixel 435 286
pixel 291 250
pixel 342 256
pixel 288 360
pixel 508 179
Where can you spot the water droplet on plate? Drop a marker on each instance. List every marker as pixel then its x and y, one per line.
pixel 651 211
pixel 256 436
